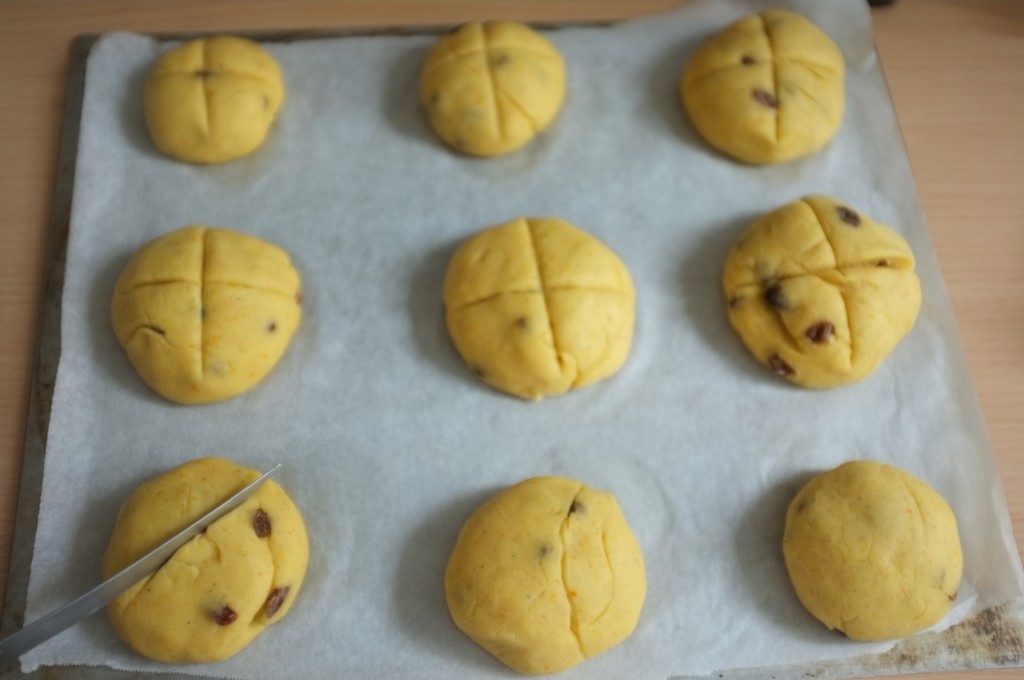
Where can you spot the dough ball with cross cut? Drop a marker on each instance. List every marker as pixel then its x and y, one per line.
pixel 872 551
pixel 225 586
pixel 204 314
pixel 489 88
pixel 212 99
pixel 767 89
pixel 537 307
pixel 545 575
pixel 820 292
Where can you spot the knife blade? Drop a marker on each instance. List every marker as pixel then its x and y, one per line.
pixel 37 632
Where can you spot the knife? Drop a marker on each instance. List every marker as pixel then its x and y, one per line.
pixel 60 619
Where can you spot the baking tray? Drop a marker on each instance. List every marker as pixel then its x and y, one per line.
pixel 993 638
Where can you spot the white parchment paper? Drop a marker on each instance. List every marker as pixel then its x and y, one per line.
pixel 390 442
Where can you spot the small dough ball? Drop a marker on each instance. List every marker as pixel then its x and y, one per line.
pixel 205 313
pixel 820 292
pixel 537 307
pixel 212 99
pixel 872 551
pixel 222 588
pixel 546 574
pixel 488 88
pixel 767 89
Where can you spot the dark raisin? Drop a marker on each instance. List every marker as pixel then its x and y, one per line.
pixel 274 601
pixel 779 366
pixel 577 506
pixel 774 296
pixel 821 332
pixel 271 327
pixel 849 216
pixel 747 60
pixel 224 616
pixel 766 98
pixel 261 523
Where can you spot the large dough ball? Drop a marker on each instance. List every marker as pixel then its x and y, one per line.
pixel 872 551
pixel 821 293
pixel 767 89
pixel 488 88
pixel 204 314
pixel 225 586
pixel 546 574
pixel 537 307
pixel 212 99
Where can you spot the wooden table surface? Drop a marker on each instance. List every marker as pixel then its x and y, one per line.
pixel 955 68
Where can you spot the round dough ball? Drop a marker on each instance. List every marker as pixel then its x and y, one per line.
pixel 820 292
pixel 212 99
pixel 222 588
pixel 537 307
pixel 205 313
pixel 488 88
pixel 767 89
pixel 872 551
pixel 546 574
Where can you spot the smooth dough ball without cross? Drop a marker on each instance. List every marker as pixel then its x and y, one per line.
pixel 537 307
pixel 204 314
pixel 872 551
pixel 820 292
pixel 488 88
pixel 212 99
pixel 767 89
pixel 545 575
pixel 225 586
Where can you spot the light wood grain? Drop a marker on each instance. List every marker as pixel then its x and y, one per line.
pixel 956 71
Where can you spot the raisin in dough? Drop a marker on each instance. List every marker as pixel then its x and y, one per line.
pixel 821 293
pixel 221 589
pixel 537 307
pixel 204 314
pixel 767 89
pixel 546 574
pixel 212 99
pixel 872 551
pixel 488 88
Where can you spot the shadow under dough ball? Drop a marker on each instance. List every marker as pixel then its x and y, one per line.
pixel 767 89
pixel 545 575
pixel 221 589
pixel 537 307
pixel 212 99
pixel 820 293
pixel 204 314
pixel 872 551
pixel 489 88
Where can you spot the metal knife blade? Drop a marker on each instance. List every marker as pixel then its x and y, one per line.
pixel 64 617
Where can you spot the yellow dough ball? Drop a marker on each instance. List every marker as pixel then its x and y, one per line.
pixel 537 307
pixel 204 314
pixel 225 586
pixel 872 551
pixel 820 292
pixel 212 99
pixel 767 89
pixel 488 88
pixel 545 575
